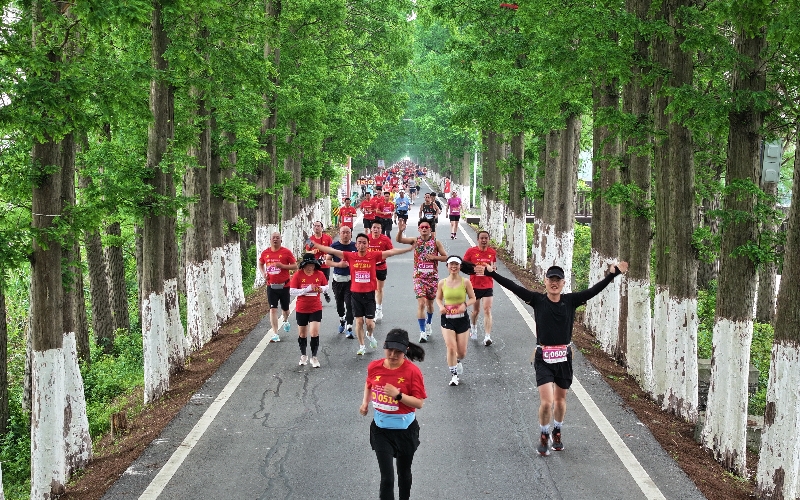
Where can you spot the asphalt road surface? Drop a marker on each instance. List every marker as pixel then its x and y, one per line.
pixel 265 428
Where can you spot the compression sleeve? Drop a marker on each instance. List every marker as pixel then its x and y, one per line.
pixel 519 291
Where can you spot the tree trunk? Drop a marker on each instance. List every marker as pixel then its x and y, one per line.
pixel 725 430
pixel 544 225
pixel 778 474
pixel 565 205
pixel 636 252
pixel 234 287
pixel 767 282
pixel 117 285
pixel 602 313
pixel 492 216
pixel 4 414
pixel 515 220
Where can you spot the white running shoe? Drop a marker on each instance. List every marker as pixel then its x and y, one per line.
pixel 349 332
pixel 428 329
pixel 487 340
pixel 473 332
pixel 287 327
pixel 303 360
pixel 373 342
pixel 275 338
pixel 459 368
pixel 362 350
pixel 378 315
pixel 423 337
pixel 314 362
pixel 454 380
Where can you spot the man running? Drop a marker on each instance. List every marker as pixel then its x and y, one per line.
pixel 274 264
pixel 412 188
pixel 554 313
pixel 482 255
pixel 402 205
pixel 322 239
pixel 363 284
pixel 385 212
pixel 378 243
pixel 430 211
pixel 367 208
pixel 347 214
pixel 341 280
pixel 428 252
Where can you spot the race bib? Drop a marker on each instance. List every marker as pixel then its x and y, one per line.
pixel 554 353
pixel 426 266
pixel 383 402
pixel 363 277
pixel 273 270
pixel 454 316
pixel 347 218
pixel 455 212
pixel 429 216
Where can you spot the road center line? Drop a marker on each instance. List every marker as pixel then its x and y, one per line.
pixel 635 469
pixel 166 473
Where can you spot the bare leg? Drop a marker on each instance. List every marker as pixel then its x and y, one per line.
pixel 360 330
pixel 487 314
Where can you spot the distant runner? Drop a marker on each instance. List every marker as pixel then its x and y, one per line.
pixel 274 264
pixel 482 255
pixel 306 285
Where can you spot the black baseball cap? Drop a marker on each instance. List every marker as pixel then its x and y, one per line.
pixel 555 272
pixel 396 339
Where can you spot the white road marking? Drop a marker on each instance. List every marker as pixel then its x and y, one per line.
pixel 166 473
pixel 635 469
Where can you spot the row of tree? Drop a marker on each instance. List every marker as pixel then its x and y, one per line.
pixel 676 100
pixel 198 127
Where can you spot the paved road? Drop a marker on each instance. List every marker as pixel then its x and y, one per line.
pixel 264 428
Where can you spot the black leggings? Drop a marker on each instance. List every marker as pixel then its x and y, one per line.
pixel 386 466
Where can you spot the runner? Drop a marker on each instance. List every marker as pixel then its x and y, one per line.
pixel 363 284
pixel 378 243
pixel 412 188
pixel 427 253
pixel 322 239
pixel 341 280
pixel 367 207
pixel 554 313
pixel 347 214
pixel 385 211
pixel 396 388
pixel 274 264
pixel 454 210
pixel 481 255
pixel 430 211
pixel 306 285
pixel 402 204
pixel 454 295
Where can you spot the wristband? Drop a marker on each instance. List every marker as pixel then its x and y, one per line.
pixel 399 396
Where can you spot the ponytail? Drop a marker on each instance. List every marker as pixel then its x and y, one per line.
pixel 415 352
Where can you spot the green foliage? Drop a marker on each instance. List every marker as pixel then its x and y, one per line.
pixel 249 268
pixel 581 257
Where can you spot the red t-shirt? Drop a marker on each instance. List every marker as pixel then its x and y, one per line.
pixel 347 215
pixel 270 257
pixel 326 240
pixel 476 256
pixel 386 209
pixel 309 302
pixel 407 377
pixel 368 208
pixel 362 271
pixel 379 244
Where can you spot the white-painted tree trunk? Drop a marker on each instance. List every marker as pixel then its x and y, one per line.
pixel 517 238
pixel 2 493
pixel 725 429
pixel 263 234
pixel 602 312
pixel 640 341
pixel 493 214
pixel 551 249
pixel 156 352
pixel 77 440
pixel 219 285
pixel 176 336
pixel 48 462
pixel 234 286
pixel 201 318
pixel 778 474
pixel 675 354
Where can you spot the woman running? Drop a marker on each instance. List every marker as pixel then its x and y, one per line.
pixel 396 388
pixel 454 296
pixel 307 285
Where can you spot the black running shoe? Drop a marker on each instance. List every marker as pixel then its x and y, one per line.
pixel 557 444
pixel 327 297
pixel 544 444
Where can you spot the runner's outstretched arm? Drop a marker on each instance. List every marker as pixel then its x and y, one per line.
pixel 328 250
pixel 598 287
pixel 519 291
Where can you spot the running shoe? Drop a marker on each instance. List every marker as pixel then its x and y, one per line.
pixel 314 362
pixel 544 444
pixel 557 444
pixel 454 380
pixel 378 315
pixel 428 329
pixel 350 332
pixel 487 340
pixel 341 327
pixel 423 337
pixel 473 332
pixel 362 350
pixel 327 297
pixel 373 342
pixel 459 368
pixel 303 360
pixel 275 338
pixel 286 327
